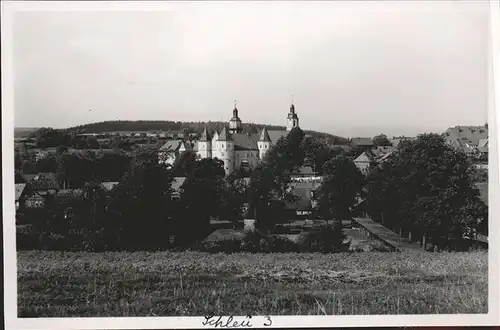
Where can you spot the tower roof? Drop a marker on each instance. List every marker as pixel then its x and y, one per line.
pixel 205 136
pixel 264 136
pixel 223 135
pixel 292 108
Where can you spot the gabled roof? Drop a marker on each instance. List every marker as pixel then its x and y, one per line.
pixel 19 190
pixel 177 183
pixel 275 135
pixel 205 136
pixel 464 136
pixel 109 185
pixel 215 135
pixel 172 145
pixel 385 157
pixel 363 158
pixel 264 136
pixel 483 143
pixel 224 135
pixel 244 141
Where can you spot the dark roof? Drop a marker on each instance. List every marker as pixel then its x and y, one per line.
pixel 461 136
pixel 205 136
pixel 306 170
pixel 49 176
pixel 244 141
pixel 28 177
pixel 224 135
pixel 361 141
pixel 303 202
pixel 264 136
pixel 343 147
pixel 275 135
pixel 19 178
pixel 172 145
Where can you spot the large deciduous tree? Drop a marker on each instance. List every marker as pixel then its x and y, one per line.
pixel 185 163
pixel 426 189
pixel 141 207
pixel 340 189
pixel 381 140
pixel 200 196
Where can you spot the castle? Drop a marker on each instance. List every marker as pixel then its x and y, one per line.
pixel 237 149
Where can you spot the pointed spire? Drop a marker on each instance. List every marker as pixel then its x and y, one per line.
pixel 224 136
pixel 264 136
pixel 205 136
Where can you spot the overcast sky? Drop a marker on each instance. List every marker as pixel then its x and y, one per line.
pixel 356 68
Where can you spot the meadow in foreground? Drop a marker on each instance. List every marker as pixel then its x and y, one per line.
pixel 55 284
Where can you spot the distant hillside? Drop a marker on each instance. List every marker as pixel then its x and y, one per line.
pixel 23 132
pixel 184 127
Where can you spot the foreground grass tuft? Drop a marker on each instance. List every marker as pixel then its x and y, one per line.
pixel 55 284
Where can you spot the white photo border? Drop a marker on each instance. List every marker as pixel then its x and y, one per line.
pixel 9 229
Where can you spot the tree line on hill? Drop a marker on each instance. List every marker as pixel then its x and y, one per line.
pixel 49 137
pixel 426 188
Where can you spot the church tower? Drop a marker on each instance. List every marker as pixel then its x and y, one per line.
pixel 235 125
pixel 292 120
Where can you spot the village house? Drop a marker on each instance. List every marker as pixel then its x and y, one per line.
pixel 361 142
pixel 472 140
pixel 306 199
pixel 171 150
pixel 395 141
pixel 21 194
pixel 372 157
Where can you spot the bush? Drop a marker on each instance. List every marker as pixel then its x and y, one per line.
pixel 252 242
pixel 326 240
pixel 225 246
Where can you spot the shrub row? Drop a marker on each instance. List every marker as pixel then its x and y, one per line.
pixel 325 240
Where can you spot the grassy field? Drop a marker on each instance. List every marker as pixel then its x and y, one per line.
pixel 55 284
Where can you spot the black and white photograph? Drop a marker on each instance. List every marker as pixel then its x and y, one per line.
pixel 249 164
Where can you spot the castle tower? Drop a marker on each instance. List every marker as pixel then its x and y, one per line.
pixel 215 144
pixel 264 143
pixel 205 145
pixel 235 125
pixel 226 150
pixel 292 120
